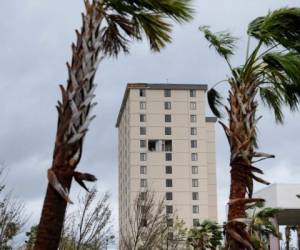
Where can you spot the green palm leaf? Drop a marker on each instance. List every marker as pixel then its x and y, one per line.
pixel 223 42
pixel 279 27
pixel 214 102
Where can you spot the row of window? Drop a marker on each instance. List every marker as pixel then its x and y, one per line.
pixel 167 93
pixel 168 157
pixel 143 144
pixel 168 169
pixel 169 209
pixel 168 105
pixel 170 222
pixel 168 118
pixel 169 196
pixel 168 131
pixel 169 183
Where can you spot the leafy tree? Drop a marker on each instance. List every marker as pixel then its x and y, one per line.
pixel 261 226
pixel 12 216
pixel 271 74
pixel 108 27
pixel 208 235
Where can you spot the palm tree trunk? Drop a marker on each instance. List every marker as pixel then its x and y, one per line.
pixel 73 121
pixel 52 217
pixel 241 135
pixel 287 237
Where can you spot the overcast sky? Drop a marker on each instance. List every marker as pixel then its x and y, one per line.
pixel 34 46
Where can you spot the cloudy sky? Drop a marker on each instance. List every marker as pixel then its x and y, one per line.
pixel 34 46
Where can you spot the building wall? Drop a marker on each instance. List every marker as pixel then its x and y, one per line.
pixel 130 162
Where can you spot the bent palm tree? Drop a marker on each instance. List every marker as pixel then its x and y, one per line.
pixel 107 26
pixel 271 72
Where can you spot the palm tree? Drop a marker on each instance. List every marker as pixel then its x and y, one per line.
pixel 207 235
pixel 260 225
pixel 271 72
pixel 108 26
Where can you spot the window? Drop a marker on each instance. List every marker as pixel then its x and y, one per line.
pixel 170 222
pixel 169 196
pixel 143 143
pixel 193 131
pixel 167 105
pixel 193 143
pixel 195 209
pixel 168 118
pixel 142 130
pixel 143 196
pixel 169 183
pixel 194 157
pixel 142 92
pixel 195 196
pixel 142 105
pixel 143 169
pixel 196 223
pixel 193 105
pixel 169 209
pixel 167 93
pixel 195 183
pixel 193 118
pixel 144 222
pixel 170 236
pixel 168 156
pixel 168 130
pixel 143 183
pixel 142 118
pixel 168 169
pixel 143 156
pixel 192 93
pixel 194 169
pixel 167 145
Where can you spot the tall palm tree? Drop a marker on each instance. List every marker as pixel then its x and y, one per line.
pixel 108 26
pixel 260 225
pixel 271 72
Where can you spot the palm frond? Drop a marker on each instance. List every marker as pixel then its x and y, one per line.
pixel 273 100
pixel 278 27
pixel 223 42
pixel 150 17
pixel 282 71
pixel 214 102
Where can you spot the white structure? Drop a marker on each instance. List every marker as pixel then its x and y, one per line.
pixel 284 197
pixel 166 144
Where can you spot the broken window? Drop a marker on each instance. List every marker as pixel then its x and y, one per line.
pixel 160 145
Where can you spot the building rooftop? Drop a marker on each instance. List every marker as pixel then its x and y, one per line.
pixel 159 86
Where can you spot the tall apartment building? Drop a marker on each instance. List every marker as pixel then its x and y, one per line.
pixel 167 145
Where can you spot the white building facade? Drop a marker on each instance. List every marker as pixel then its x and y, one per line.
pixel 167 145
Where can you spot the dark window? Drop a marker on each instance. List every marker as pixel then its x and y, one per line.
pixel 195 183
pixel 169 209
pixel 143 143
pixel 194 157
pixel 193 131
pixel 192 93
pixel 169 183
pixel 196 223
pixel 167 93
pixel 144 222
pixel 143 157
pixel 142 105
pixel 143 196
pixel 168 118
pixel 168 156
pixel 195 209
pixel 169 196
pixel 193 118
pixel 167 145
pixel 170 222
pixel 143 169
pixel 194 169
pixel 168 169
pixel 142 92
pixel 168 130
pixel 142 118
pixel 195 196
pixel 142 130
pixel 167 105
pixel 193 143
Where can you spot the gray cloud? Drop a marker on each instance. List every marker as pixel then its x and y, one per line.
pixel 35 44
